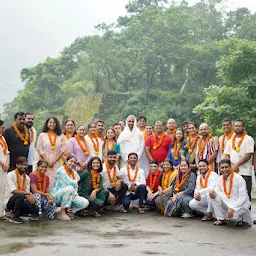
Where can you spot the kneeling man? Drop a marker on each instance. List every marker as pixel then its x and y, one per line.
pixel 205 182
pixel 229 199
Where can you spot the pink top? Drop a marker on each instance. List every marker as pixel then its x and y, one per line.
pixel 34 180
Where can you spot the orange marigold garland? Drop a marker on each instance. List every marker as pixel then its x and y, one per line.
pixel 166 179
pixel 95 179
pixel 224 181
pixel 190 146
pixel 112 178
pixel 102 136
pixel 173 134
pixel 223 140
pixel 135 175
pixel 144 135
pixel 70 173
pixel 152 180
pixel 96 145
pixel 107 144
pixel 24 139
pixel 83 147
pixel 181 182
pixel 4 145
pixel 18 180
pixel 41 187
pixel 237 148
pixel 32 135
pixel 200 147
pixel 157 145
pixel 176 149
pixel 52 141
pixel 204 185
pixel 68 136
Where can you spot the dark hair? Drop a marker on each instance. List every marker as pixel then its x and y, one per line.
pixel 110 128
pixel 1 122
pixel 159 121
pixel 29 113
pixel 122 121
pixel 170 162
pixel 70 157
pixel 142 117
pixel 240 120
pixel 154 162
pixel 100 121
pixel 204 161
pixel 42 161
pixel 111 153
pixel 69 120
pixel 89 125
pixel 89 165
pixel 150 125
pixel 115 124
pixel 133 154
pixel 225 161
pixel 226 120
pixel 175 139
pixel 193 123
pixel 185 122
pixel 185 160
pixel 57 128
pixel 18 114
pixel 21 160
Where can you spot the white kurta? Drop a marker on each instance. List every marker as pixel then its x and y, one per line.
pixel 238 201
pixel 31 153
pixel 105 179
pixel 203 205
pixel 91 147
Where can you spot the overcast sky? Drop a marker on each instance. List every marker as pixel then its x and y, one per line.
pixel 31 30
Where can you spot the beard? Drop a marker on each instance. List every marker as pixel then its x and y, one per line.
pixel 29 124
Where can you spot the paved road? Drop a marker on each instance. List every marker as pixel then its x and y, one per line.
pixel 126 234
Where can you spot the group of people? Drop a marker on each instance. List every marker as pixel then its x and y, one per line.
pixel 80 171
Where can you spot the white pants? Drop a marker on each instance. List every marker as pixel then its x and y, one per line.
pixel 3 181
pixel 202 205
pixel 220 209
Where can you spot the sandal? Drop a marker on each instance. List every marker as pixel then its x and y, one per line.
pixel 121 209
pixel 140 210
pixel 239 223
pixel 219 222
pixel 207 218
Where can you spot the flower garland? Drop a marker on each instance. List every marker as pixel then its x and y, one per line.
pixel 70 173
pixel 152 180
pixel 18 180
pixel 190 146
pixel 83 147
pixel 96 145
pixel 223 140
pixel 181 182
pixel 173 134
pixel 102 136
pixel 41 187
pixel 52 141
pixel 200 147
pixel 204 185
pixel 237 149
pixel 68 136
pixel 112 144
pixel 135 175
pixel 111 178
pixel 224 180
pixel 144 135
pixel 95 179
pixel 157 145
pixel 32 135
pixel 4 145
pixel 24 139
pixel 166 179
pixel 176 149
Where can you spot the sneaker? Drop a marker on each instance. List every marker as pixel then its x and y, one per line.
pixel 34 217
pixel 16 220
pixel 186 215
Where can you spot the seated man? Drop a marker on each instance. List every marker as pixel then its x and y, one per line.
pixel 205 182
pixel 230 199
pixel 112 181
pixel 18 198
pixel 134 177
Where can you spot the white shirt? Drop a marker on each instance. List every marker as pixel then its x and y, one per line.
pixel 105 179
pixel 238 196
pixel 3 157
pixel 32 147
pixel 247 146
pixel 211 184
pixel 12 185
pixel 221 155
pixel 140 179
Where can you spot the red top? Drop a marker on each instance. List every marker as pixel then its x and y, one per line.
pixel 157 181
pixel 33 180
pixel 160 153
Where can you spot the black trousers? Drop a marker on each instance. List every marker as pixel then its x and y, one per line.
pixel 19 205
pixel 248 180
pixel 119 195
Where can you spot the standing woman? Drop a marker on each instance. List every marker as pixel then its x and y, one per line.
pixel 39 186
pixel 69 130
pixel 110 144
pixel 189 146
pixel 93 141
pixel 183 192
pixel 174 153
pixel 4 166
pixel 90 186
pixel 78 147
pixel 51 146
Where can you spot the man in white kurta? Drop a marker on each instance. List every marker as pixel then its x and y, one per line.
pixel 205 182
pixel 134 178
pixel 131 140
pixel 229 200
